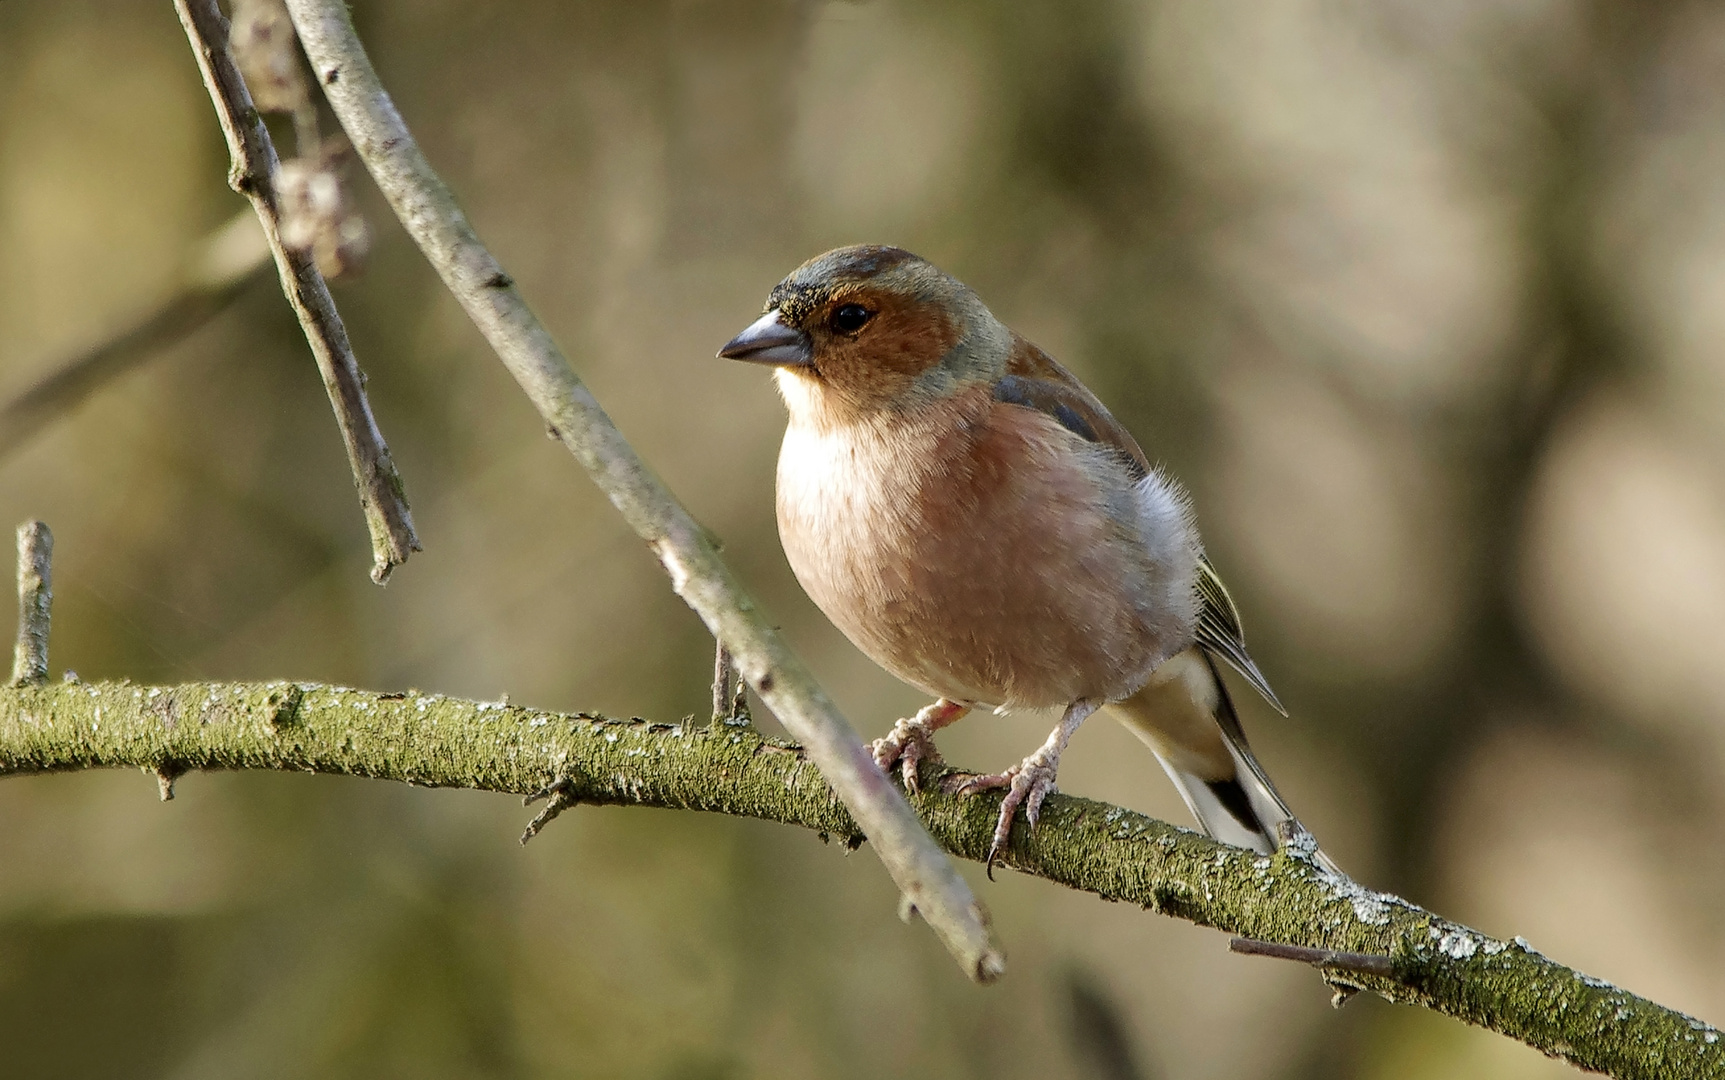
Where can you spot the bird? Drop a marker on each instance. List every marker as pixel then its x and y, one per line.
pixel 973 518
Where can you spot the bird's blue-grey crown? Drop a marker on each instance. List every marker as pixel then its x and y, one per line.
pixel 813 283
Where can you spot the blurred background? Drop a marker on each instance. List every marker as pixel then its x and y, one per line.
pixel 1422 301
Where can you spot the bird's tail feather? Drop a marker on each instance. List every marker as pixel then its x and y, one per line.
pixel 1231 796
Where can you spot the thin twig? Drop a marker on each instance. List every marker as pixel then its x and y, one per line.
pixel 431 740
pixel 35 603
pixel 429 211
pixel 252 174
pixel 1363 963
pixel 226 263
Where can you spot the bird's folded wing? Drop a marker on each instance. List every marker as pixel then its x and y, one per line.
pixel 1036 380
pixel 1220 634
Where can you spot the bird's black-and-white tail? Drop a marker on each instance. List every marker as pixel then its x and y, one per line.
pixel 1186 716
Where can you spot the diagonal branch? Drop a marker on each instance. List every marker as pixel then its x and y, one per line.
pixel 227 262
pixel 426 207
pixel 253 174
pixel 1364 939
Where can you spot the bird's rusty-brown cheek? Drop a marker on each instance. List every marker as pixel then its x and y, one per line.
pixel 880 364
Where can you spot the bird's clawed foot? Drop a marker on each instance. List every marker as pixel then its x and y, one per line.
pixel 1026 784
pixel 911 741
pixel 907 746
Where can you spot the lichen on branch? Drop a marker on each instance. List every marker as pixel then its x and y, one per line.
pixel 730 768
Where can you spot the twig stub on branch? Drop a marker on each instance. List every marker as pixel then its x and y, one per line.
pixel 35 603
pixel 1363 963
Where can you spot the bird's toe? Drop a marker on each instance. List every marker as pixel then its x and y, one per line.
pixel 1028 784
pixel 907 746
pixel 974 783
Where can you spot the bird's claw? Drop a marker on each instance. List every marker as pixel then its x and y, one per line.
pixel 907 745
pixel 1027 784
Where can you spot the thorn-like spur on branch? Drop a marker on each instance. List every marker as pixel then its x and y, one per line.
pixel 1360 963
pixel 254 174
pixel 166 773
pixel 430 740
pixel 35 603
pixel 559 796
pixel 222 268
pixel 429 212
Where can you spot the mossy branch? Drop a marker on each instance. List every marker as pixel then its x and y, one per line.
pixel 729 768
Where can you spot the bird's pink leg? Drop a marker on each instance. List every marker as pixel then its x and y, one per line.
pixel 910 741
pixel 1030 781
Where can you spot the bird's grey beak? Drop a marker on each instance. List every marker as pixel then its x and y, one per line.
pixel 769 341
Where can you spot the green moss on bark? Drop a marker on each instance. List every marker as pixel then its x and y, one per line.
pixel 1119 855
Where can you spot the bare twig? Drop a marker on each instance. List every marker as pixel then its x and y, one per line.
pixel 252 174
pixel 226 263
pixel 1363 963
pixel 428 210
pixel 35 603
pixel 427 739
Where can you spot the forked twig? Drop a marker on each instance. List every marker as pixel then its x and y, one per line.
pixel 558 795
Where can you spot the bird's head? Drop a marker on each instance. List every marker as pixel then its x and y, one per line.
pixel 864 330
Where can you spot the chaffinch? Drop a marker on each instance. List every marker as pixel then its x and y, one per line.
pixel 970 515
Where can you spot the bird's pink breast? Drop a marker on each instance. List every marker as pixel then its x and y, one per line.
pixel 978 551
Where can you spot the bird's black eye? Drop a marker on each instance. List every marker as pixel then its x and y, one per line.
pixel 849 318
